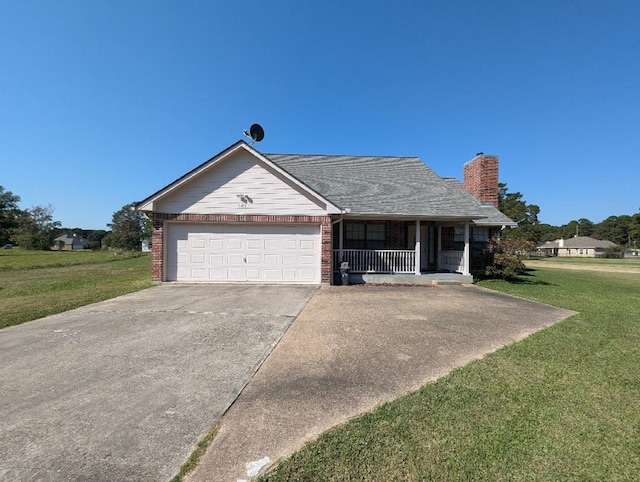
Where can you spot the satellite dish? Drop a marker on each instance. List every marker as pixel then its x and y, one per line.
pixel 256 133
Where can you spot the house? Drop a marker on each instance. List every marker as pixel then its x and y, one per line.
pixel 245 216
pixel 578 246
pixel 70 242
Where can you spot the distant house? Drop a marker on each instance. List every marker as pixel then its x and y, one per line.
pixel 578 246
pixel 70 242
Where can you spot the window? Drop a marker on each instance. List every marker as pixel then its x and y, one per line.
pixel 478 235
pixel 452 238
pixel 364 235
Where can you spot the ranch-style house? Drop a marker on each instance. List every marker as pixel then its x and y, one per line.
pixel 246 216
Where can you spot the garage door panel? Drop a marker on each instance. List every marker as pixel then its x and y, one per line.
pixel 197 258
pixel 216 259
pixel 254 259
pixel 216 244
pixel 307 260
pixel 236 274
pixel 271 259
pixel 307 244
pixel 289 259
pixel 254 253
pixel 235 258
pixel 306 274
pixel 198 243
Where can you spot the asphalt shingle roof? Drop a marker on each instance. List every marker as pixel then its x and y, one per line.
pixel 368 185
pixel 578 242
pixel 493 216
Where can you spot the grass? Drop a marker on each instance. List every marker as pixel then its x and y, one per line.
pixel 627 262
pixel 561 405
pixel 196 455
pixel 34 284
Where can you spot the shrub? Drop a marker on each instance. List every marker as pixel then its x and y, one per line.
pixel 507 256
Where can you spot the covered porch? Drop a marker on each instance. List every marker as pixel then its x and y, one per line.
pixel 404 252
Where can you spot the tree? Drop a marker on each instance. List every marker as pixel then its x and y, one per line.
pixel 614 228
pixel 512 205
pixel 515 208
pixel 36 228
pixel 634 231
pixel 128 228
pixel 585 227
pixel 9 214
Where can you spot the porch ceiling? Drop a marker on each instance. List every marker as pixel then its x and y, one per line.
pixel 405 217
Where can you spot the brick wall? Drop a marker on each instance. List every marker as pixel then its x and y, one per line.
pixel 159 219
pixel 396 235
pixel 481 178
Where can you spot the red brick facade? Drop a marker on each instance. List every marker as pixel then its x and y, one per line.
pixel 481 179
pixel 396 235
pixel 159 219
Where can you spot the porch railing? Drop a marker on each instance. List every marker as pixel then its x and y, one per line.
pixel 376 260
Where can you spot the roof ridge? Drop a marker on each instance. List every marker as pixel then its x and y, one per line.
pixel 336 155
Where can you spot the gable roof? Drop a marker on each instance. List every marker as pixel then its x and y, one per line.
pixel 363 186
pixel 148 203
pixel 380 185
pixel 578 242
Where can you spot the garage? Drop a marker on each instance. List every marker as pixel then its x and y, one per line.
pixel 252 253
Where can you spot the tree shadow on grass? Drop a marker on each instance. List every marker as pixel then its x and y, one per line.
pixel 526 278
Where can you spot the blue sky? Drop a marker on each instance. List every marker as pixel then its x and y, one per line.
pixel 103 103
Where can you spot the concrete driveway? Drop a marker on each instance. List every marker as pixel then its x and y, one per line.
pixel 351 349
pixel 124 389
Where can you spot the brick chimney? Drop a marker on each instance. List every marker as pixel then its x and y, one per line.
pixel 481 178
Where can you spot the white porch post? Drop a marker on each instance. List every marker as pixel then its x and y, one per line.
pixel 340 238
pixel 417 270
pixel 467 250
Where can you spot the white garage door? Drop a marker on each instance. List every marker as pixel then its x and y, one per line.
pixel 252 253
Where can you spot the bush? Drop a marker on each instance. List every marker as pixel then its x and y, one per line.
pixel 507 256
pixel 614 252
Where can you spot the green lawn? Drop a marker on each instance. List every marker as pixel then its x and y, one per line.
pixel 561 405
pixel 34 284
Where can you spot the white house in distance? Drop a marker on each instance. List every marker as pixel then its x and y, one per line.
pixel 246 216
pixel 578 246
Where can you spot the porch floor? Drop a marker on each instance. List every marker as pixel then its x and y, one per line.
pixel 430 278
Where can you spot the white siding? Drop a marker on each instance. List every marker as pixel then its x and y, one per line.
pixel 216 192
